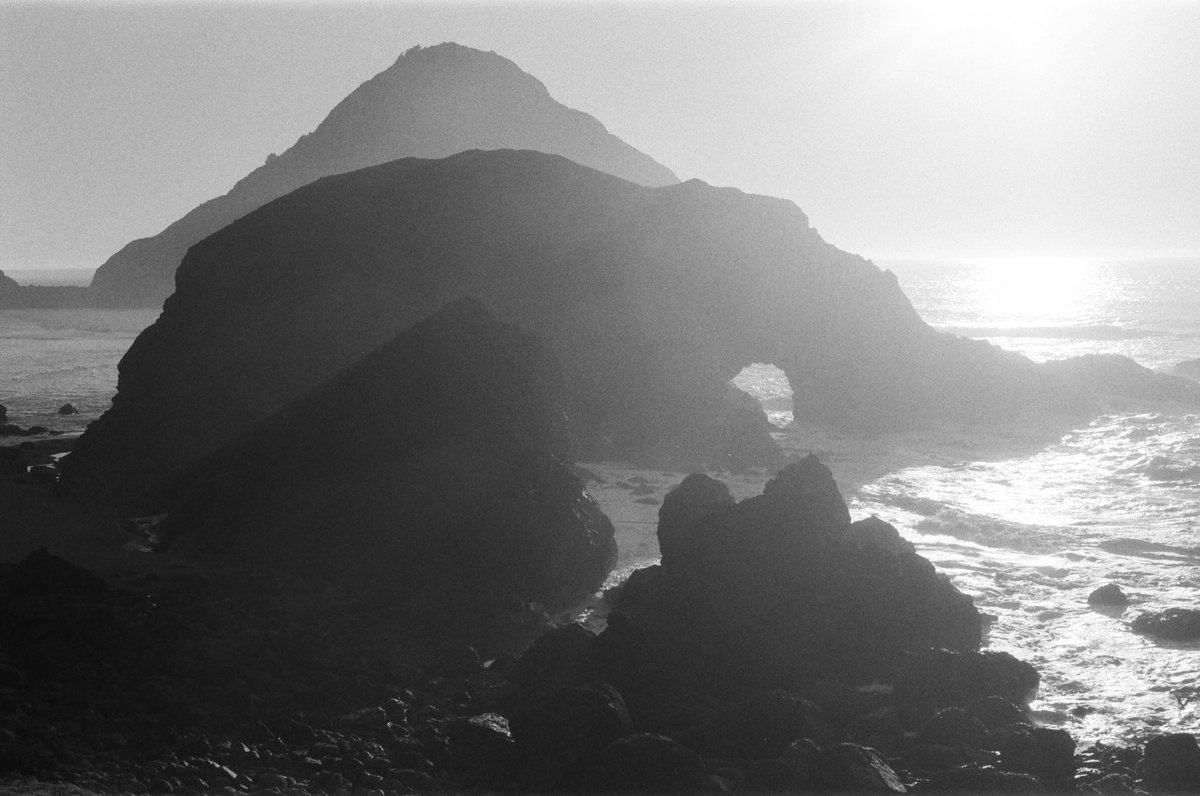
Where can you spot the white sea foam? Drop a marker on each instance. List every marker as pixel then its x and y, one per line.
pixel 1030 521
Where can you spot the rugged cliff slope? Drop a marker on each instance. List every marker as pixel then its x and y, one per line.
pixel 652 298
pixel 431 103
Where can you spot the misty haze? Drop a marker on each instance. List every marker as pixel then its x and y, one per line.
pixel 599 398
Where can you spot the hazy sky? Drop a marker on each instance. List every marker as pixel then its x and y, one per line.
pixel 900 128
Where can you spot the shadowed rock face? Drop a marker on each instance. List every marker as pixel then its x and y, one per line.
pixel 783 587
pixel 652 298
pixel 431 103
pixel 435 469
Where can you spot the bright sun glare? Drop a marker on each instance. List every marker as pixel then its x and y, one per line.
pixel 1014 40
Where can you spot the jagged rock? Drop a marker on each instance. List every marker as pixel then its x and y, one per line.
pixel 954 727
pixel 758 728
pixel 851 768
pixel 996 712
pixel 566 656
pixel 640 763
pixel 640 591
pixel 432 102
pixel 1109 595
pixel 1173 624
pixel 67 409
pixel 696 496
pixel 930 680
pixel 979 779
pixel 571 721
pixel 1043 752
pixel 783 588
pixel 1171 764
pixel 482 743
pixel 438 479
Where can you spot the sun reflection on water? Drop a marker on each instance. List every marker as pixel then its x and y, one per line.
pixel 1026 290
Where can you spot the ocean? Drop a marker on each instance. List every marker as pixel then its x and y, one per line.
pixel 53 357
pixel 1028 518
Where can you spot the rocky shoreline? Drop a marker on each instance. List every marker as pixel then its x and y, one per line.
pixel 198 678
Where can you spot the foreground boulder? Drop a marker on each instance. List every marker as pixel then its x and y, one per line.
pixel 436 472
pixel 784 588
pixel 1172 764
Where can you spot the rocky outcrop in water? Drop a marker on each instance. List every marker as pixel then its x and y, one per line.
pixel 1172 624
pixel 652 298
pixel 432 102
pixel 434 473
pixel 784 588
pixel 783 648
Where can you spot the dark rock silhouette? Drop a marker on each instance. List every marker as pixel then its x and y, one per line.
pixel 435 473
pixel 683 506
pixel 783 588
pixel 1172 764
pixel 1108 595
pixel 1173 624
pixel 640 763
pixel 653 298
pixel 788 649
pixel 432 102
pixel 67 409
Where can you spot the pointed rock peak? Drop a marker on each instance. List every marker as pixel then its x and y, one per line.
pixel 809 485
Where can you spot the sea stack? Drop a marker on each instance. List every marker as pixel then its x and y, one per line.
pixel 431 103
pixel 652 298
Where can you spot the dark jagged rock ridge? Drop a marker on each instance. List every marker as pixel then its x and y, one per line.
pixel 435 471
pixel 783 588
pixel 432 102
pixel 653 298
pixel 14 296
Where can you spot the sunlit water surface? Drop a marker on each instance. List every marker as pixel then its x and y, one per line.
pixel 52 357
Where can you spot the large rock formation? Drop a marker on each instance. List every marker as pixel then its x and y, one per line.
pixel 653 298
pixel 431 103
pixel 435 470
pixel 783 588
